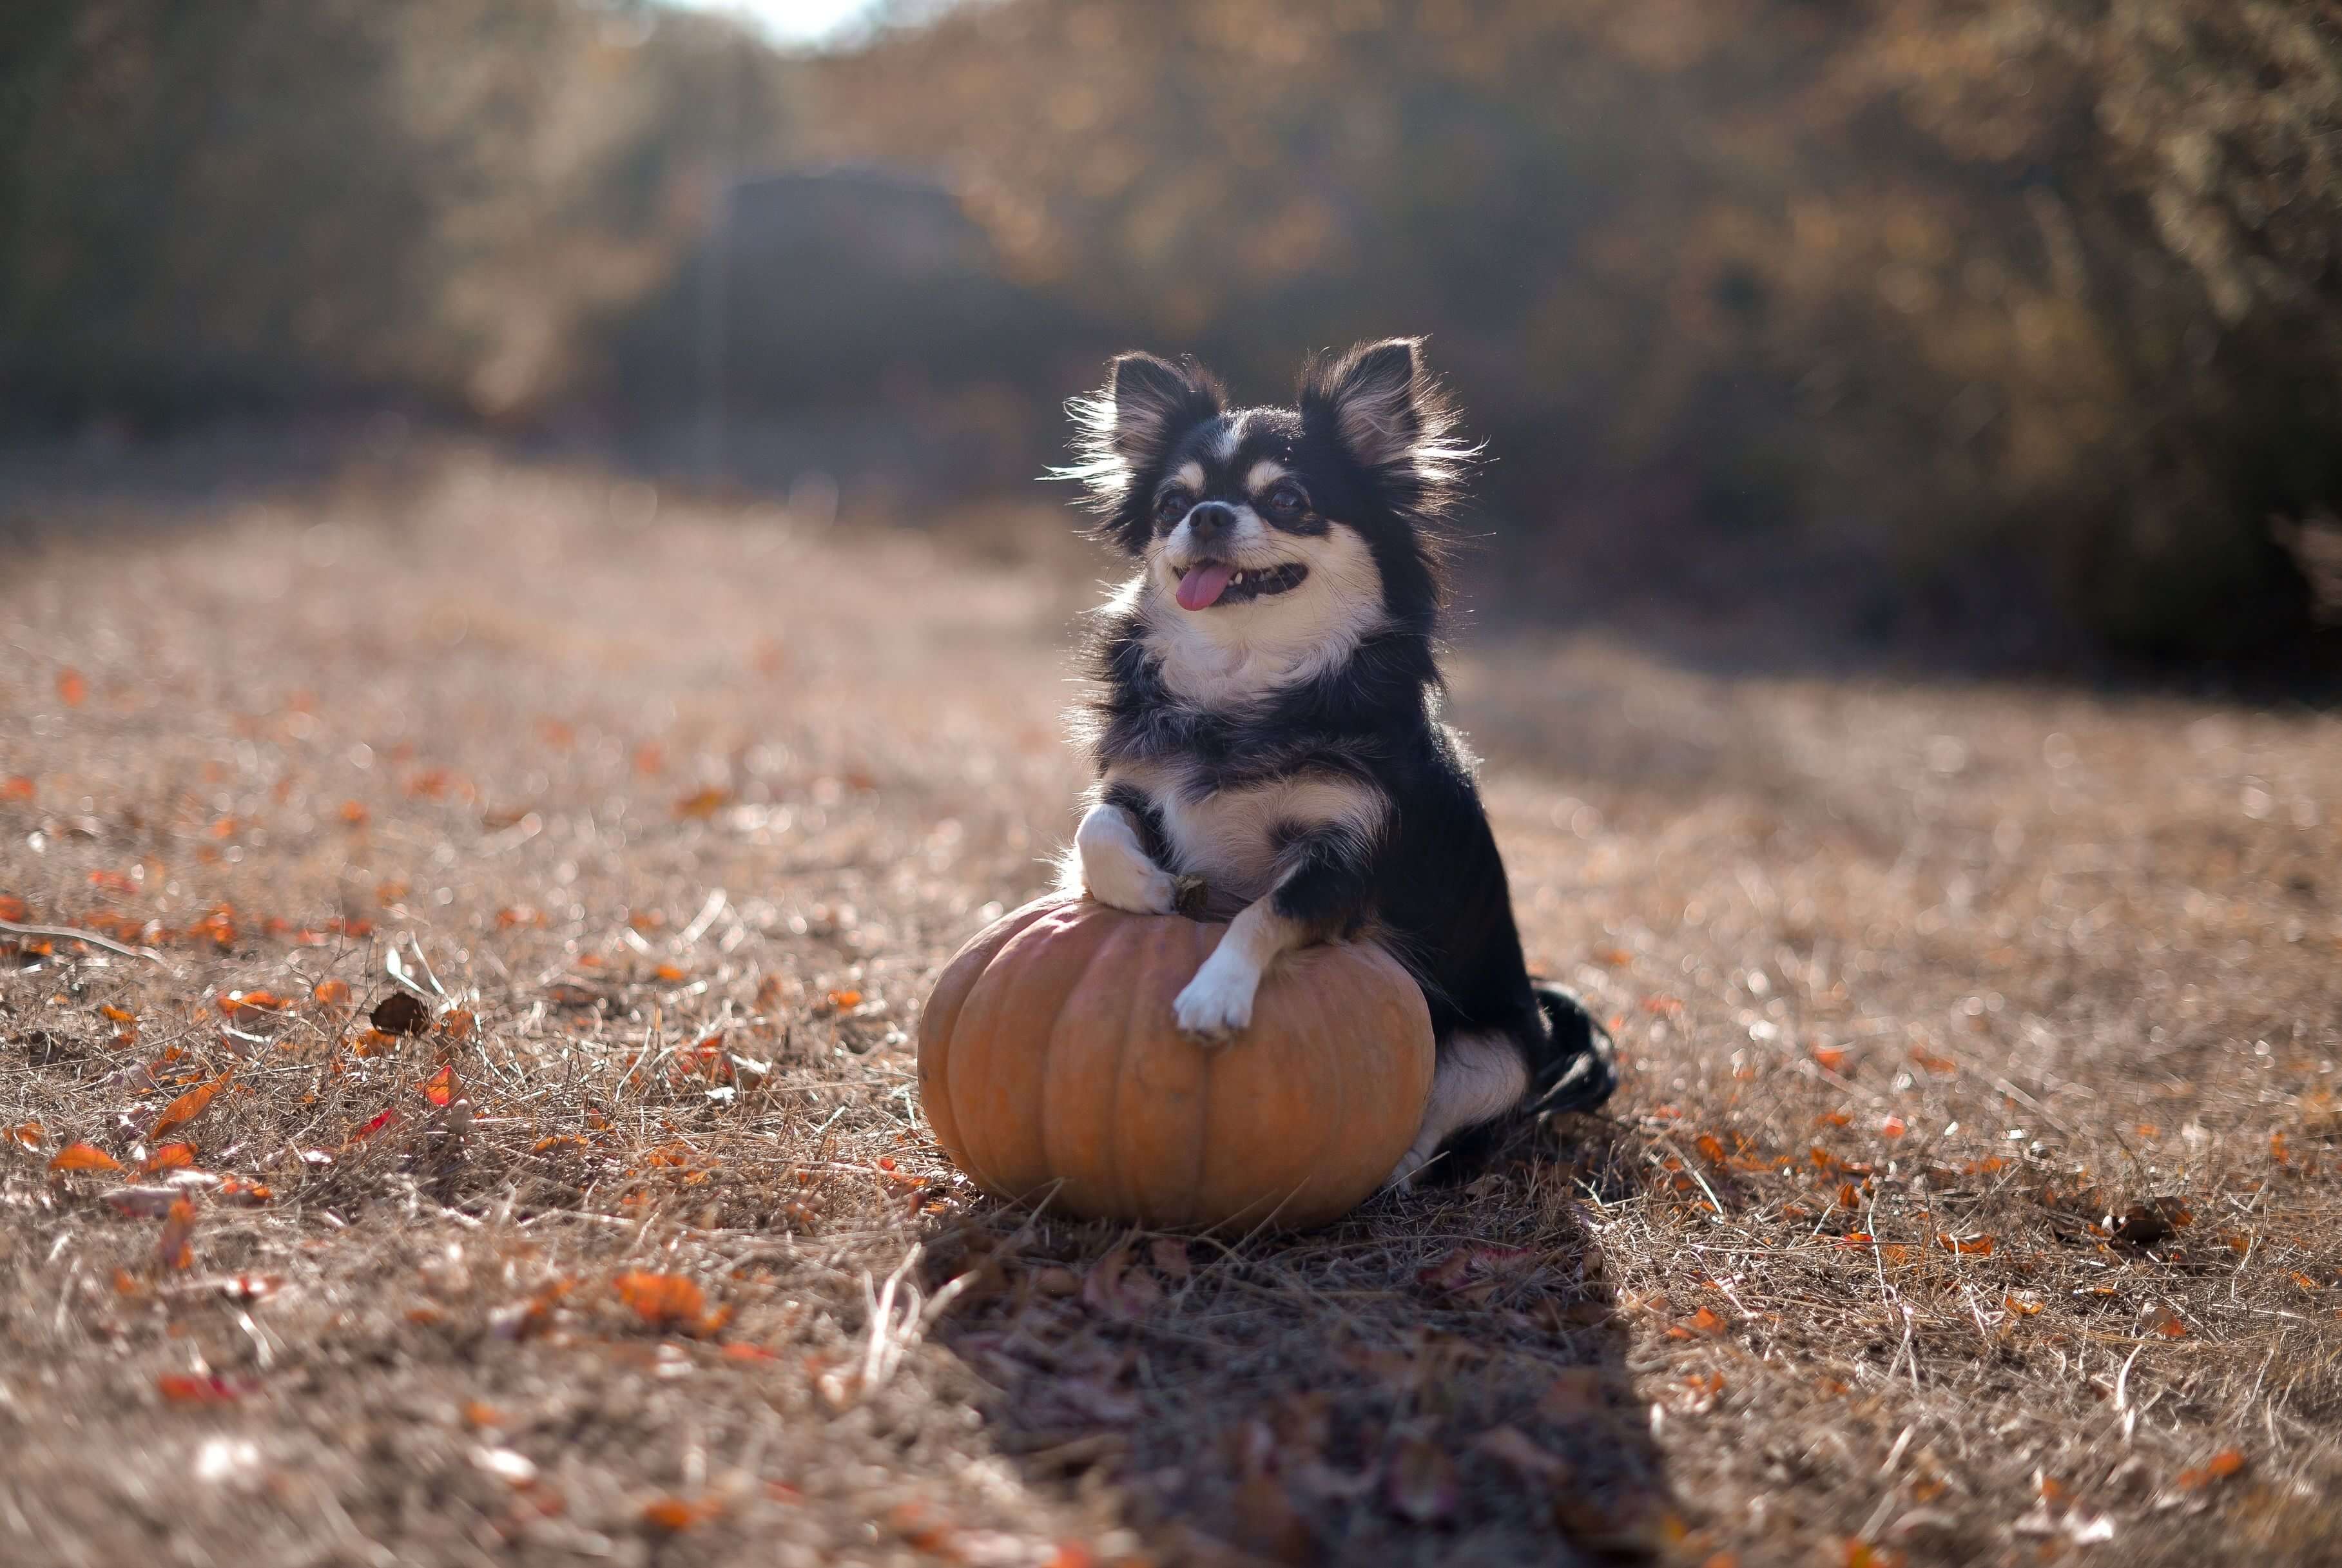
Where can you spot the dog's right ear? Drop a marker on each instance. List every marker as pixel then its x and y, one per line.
pixel 1154 401
pixel 1122 433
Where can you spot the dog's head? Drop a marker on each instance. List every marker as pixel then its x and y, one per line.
pixel 1309 525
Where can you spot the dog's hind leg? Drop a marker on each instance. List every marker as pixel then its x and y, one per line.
pixel 1478 1078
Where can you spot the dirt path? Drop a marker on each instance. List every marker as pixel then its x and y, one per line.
pixel 1972 1195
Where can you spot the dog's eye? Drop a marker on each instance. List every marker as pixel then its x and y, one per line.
pixel 1171 506
pixel 1285 499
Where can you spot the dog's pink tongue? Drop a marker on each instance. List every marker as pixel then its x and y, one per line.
pixel 1202 586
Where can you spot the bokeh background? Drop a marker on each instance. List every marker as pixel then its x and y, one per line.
pixel 2000 331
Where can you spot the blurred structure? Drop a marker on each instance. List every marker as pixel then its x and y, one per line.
pixel 2012 320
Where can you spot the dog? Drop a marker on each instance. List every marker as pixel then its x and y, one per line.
pixel 1266 725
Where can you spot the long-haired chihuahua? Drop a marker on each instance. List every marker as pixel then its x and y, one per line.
pixel 1267 731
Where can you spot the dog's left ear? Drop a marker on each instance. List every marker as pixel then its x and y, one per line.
pixel 1380 403
pixel 1373 400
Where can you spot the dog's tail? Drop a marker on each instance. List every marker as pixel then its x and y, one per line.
pixel 1581 1065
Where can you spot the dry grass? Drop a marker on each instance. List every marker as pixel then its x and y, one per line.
pixel 684 817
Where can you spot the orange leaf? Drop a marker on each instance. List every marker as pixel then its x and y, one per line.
pixel 661 1300
pixel 331 993
pixel 71 690
pixel 2028 1309
pixel 16 787
pixel 2219 1467
pixel 441 1087
pixel 353 813
pixel 674 1515
pixel 187 1106
pixel 236 1002
pixel 118 1015
pixel 1967 1247
pixel 1849 1196
pixel 180 1388
pixel 83 1157
pixel 841 1000
pixel 704 804
pixel 2276 1149
pixel 169 1157
pixel 1830 1056
pixel 28 1134
pixel 1712 1146
pixel 172 1249
pixel 1894 1126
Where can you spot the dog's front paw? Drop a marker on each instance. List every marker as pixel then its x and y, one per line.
pixel 1217 1002
pixel 1129 882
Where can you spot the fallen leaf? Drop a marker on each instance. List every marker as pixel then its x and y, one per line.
pixel 236 1002
pixel 1832 1057
pixel 168 1157
pixel 27 1135
pixel 381 1120
pixel 674 1515
pixel 186 1388
pixel 704 804
pixel 1894 1126
pixel 16 787
pixel 441 1087
pixel 1967 1247
pixel 174 1249
pixel 83 1157
pixel 331 993
pixel 187 1106
pixel 400 1013
pixel 843 1000
pixel 142 1203
pixel 2226 1463
pixel 663 1301
pixel 73 690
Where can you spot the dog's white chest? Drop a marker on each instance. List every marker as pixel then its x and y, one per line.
pixel 1235 839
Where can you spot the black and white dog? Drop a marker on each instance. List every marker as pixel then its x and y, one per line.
pixel 1268 725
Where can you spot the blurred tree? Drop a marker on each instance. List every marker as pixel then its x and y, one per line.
pixel 1968 285
pixel 272 200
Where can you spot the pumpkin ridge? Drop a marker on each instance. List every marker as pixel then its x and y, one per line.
pixel 1050 1153
pixel 1202 1140
pixel 1313 1030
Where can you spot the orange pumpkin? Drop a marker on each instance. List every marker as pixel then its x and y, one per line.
pixel 1052 1070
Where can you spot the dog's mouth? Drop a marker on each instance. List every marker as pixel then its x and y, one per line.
pixel 1209 582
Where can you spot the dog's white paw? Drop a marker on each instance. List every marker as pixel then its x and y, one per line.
pixel 1217 1002
pixel 1122 880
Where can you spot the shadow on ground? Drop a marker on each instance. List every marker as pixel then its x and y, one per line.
pixel 1441 1378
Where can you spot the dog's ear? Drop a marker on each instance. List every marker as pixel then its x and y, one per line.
pixel 1381 406
pixel 1153 401
pixel 1124 430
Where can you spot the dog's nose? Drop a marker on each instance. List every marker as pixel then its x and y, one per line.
pixel 1210 520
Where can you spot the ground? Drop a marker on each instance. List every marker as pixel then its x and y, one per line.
pixel 1973 1194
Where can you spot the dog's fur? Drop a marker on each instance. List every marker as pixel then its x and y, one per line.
pixel 1275 733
